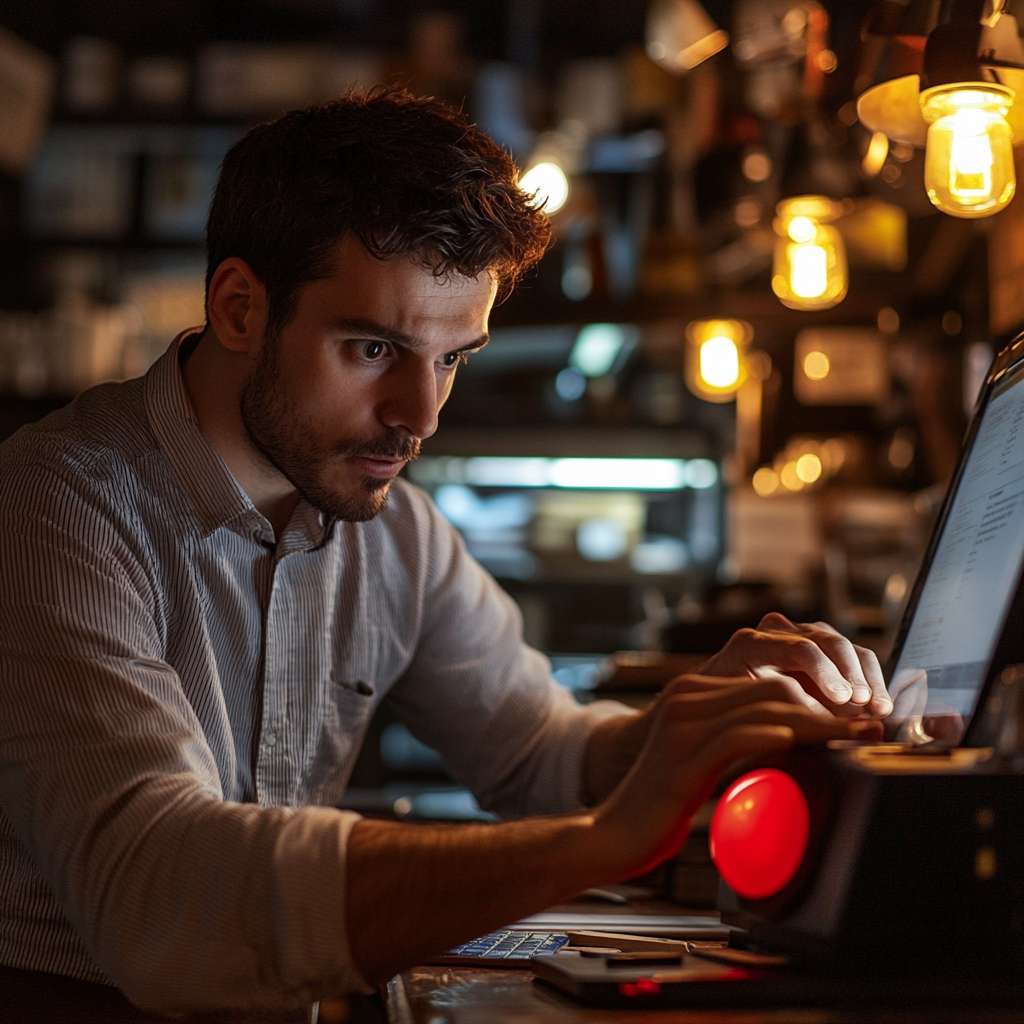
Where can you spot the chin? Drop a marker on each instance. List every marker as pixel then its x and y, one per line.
pixel 359 507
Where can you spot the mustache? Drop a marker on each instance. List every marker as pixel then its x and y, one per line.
pixel 387 446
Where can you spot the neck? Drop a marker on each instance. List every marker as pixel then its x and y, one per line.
pixel 214 379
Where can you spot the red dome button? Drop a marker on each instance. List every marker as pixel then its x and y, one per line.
pixel 759 833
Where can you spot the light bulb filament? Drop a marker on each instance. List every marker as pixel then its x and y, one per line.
pixel 719 362
pixel 810 271
pixel 970 163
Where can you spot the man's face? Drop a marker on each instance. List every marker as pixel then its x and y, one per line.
pixel 341 399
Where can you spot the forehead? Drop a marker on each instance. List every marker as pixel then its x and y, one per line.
pixel 399 292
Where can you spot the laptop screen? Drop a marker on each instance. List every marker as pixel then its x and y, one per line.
pixel 972 578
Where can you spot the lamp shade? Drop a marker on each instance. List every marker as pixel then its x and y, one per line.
pixel 960 50
pixel 965 108
pixel 680 35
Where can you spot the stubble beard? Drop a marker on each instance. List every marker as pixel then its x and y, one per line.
pixel 303 454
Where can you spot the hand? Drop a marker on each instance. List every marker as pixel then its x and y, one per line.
pixel 695 734
pixel 830 672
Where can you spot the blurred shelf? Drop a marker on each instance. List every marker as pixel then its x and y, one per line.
pixel 117 244
pixel 868 293
pixel 616 573
pixel 136 116
pixel 579 440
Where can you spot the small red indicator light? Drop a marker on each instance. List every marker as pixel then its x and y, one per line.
pixel 640 987
pixel 759 833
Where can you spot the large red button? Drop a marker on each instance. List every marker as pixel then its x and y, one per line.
pixel 759 833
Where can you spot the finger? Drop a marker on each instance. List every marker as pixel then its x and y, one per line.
pixel 694 682
pixel 823 627
pixel 704 705
pixel 844 655
pixel 807 726
pixel 792 654
pixel 881 703
pixel 797 692
pixel 776 622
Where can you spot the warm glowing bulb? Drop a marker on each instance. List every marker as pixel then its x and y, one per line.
pixel 765 482
pixel 716 366
pixel 720 362
pixel 809 269
pixel 548 184
pixel 809 276
pixel 874 158
pixel 802 229
pixel 816 365
pixel 790 478
pixel 968 169
pixel 808 468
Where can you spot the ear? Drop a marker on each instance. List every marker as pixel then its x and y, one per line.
pixel 237 307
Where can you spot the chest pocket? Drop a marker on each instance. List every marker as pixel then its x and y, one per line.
pixel 350 695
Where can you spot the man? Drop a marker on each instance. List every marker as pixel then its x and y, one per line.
pixel 211 576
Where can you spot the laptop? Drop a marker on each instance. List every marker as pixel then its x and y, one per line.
pixel 964 621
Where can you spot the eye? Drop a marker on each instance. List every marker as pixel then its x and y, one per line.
pixel 452 359
pixel 371 350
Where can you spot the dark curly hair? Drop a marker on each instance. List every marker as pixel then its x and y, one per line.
pixel 408 176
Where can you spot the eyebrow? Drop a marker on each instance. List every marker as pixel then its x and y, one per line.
pixel 372 329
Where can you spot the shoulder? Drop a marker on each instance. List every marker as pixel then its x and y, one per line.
pixel 410 507
pixel 91 445
pixel 411 523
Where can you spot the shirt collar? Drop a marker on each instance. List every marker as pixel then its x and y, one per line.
pixel 216 497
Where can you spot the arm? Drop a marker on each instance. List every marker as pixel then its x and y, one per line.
pixel 474 691
pixel 535 751
pixel 414 891
pixel 118 853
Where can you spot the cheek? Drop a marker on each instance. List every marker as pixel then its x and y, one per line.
pixel 444 387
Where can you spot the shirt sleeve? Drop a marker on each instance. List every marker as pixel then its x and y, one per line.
pixel 478 694
pixel 184 900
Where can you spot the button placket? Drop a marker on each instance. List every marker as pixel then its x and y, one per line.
pixel 272 787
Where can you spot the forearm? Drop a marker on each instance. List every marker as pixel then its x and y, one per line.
pixel 611 750
pixel 415 891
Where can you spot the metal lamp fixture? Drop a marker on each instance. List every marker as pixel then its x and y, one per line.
pixel 680 35
pixel 966 108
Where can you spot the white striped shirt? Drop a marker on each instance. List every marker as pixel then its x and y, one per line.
pixel 182 700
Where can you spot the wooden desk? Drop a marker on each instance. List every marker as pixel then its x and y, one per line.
pixel 449 995
pixel 29 997
pixel 439 995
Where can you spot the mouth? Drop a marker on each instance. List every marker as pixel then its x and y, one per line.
pixel 382 469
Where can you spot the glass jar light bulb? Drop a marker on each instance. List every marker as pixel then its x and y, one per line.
pixel 715 358
pixel 809 269
pixel 968 167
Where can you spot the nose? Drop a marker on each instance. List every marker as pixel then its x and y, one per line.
pixel 410 401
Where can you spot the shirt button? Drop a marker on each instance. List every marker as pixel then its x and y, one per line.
pixel 270 738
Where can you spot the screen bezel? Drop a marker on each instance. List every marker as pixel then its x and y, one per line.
pixel 1009 647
